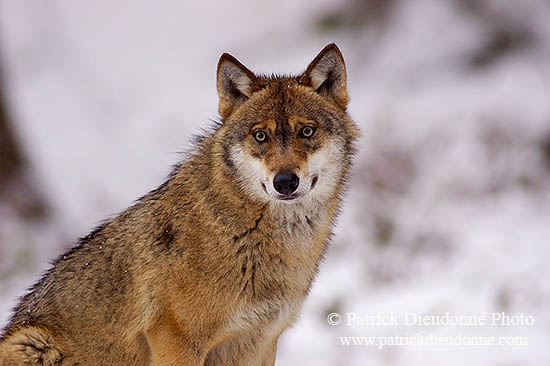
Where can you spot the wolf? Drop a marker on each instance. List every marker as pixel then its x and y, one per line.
pixel 213 265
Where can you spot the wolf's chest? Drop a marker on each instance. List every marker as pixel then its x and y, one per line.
pixel 276 266
pixel 281 259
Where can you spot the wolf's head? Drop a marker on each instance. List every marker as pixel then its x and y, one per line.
pixel 286 139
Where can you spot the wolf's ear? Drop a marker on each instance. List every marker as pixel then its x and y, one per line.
pixel 327 75
pixel 235 84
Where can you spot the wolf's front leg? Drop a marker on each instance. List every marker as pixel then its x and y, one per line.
pixel 170 348
pixel 244 350
pixel 270 355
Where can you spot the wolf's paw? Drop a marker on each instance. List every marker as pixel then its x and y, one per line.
pixel 29 346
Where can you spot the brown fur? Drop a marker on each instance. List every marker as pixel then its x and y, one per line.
pixel 200 271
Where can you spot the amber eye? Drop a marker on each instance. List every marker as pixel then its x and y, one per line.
pixel 260 136
pixel 307 131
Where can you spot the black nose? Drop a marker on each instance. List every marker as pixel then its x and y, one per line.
pixel 286 183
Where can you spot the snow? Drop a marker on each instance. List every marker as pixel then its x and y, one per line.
pixel 449 205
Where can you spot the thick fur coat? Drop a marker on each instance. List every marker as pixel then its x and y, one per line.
pixel 212 266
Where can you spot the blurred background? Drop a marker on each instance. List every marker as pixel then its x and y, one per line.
pixel 449 205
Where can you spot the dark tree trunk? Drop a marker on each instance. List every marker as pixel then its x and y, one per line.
pixel 16 187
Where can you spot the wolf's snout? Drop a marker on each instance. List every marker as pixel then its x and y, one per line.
pixel 286 183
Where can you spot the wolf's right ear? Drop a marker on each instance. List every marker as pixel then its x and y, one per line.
pixel 327 75
pixel 235 84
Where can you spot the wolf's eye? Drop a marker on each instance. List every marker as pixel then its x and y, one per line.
pixel 307 131
pixel 260 136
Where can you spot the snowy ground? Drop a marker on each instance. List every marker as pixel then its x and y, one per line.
pixel 449 206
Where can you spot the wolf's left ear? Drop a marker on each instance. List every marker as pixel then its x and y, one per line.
pixel 327 75
pixel 235 84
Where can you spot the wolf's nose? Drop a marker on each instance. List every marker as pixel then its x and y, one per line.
pixel 286 183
